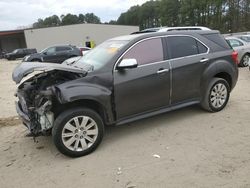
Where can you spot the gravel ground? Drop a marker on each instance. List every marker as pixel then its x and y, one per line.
pixel 184 148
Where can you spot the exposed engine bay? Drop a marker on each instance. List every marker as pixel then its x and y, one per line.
pixel 36 96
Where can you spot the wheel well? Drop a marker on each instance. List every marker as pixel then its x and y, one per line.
pixel 226 77
pixel 91 104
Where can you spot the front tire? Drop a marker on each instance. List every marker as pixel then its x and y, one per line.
pixel 77 132
pixel 216 95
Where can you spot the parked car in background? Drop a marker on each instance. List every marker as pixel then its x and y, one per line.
pixel 245 38
pixel 2 54
pixel 19 53
pixel 164 29
pixel 84 50
pixel 243 49
pixel 123 80
pixel 54 54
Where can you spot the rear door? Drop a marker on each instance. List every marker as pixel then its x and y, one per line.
pixel 188 58
pixel 62 53
pixel 146 87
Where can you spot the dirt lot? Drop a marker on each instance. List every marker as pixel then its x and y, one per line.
pixel 194 149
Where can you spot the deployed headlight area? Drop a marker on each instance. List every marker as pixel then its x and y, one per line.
pixel 36 97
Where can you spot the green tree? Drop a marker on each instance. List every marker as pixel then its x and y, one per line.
pixel 81 18
pixel 92 18
pixel 70 19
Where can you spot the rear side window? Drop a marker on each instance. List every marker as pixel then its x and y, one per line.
pixel 62 48
pixel 145 52
pixel 201 48
pixel 181 46
pixel 217 39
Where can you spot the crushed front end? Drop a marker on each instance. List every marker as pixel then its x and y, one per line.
pixel 34 107
pixel 37 98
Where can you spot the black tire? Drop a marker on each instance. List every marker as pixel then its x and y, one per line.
pixel 66 117
pixel 35 60
pixel 208 97
pixel 242 61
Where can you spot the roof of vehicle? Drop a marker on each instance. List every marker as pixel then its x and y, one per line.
pixel 153 34
pixel 233 37
pixel 184 28
pixel 164 29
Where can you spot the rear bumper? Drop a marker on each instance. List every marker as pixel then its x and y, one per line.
pixel 25 118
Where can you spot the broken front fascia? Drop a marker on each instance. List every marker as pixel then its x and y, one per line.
pixel 35 93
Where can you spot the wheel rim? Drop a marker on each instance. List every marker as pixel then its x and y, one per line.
pixel 218 95
pixel 79 133
pixel 246 61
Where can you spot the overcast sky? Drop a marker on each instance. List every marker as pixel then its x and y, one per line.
pixel 15 13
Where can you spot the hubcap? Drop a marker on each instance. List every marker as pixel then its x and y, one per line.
pixel 246 60
pixel 79 133
pixel 218 95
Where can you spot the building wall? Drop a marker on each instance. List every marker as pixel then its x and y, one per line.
pixel 74 34
pixel 11 42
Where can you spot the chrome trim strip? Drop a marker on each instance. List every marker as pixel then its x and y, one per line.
pixel 158 62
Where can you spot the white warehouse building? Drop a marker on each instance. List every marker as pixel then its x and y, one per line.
pixel 77 34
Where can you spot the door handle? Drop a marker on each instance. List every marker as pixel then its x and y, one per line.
pixel 204 60
pixel 162 71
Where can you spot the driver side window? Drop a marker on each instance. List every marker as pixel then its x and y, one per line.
pixel 51 50
pixel 145 52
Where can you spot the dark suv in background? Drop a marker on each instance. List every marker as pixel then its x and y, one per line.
pixel 19 53
pixel 122 80
pixel 55 54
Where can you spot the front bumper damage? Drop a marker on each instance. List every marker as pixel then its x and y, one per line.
pixel 38 120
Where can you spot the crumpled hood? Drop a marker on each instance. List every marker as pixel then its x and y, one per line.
pixel 26 68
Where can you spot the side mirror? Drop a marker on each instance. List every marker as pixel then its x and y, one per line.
pixel 127 64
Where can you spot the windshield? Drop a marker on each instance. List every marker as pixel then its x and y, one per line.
pixel 101 55
pixel 15 51
pixel 44 50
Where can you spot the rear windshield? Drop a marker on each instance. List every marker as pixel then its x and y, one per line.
pixel 217 39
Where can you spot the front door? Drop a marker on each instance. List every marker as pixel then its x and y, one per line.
pixel 147 87
pixel 50 55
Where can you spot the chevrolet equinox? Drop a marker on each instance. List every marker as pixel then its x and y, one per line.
pixel 122 80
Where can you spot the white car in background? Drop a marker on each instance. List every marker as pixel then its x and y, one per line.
pixel 243 49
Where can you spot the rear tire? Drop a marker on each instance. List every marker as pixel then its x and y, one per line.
pixel 216 95
pixel 77 132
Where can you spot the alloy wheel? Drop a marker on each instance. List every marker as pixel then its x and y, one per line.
pixel 218 95
pixel 79 133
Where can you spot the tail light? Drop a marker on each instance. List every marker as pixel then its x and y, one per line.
pixel 235 57
pixel 81 50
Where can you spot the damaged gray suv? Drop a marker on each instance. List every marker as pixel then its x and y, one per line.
pixel 122 80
